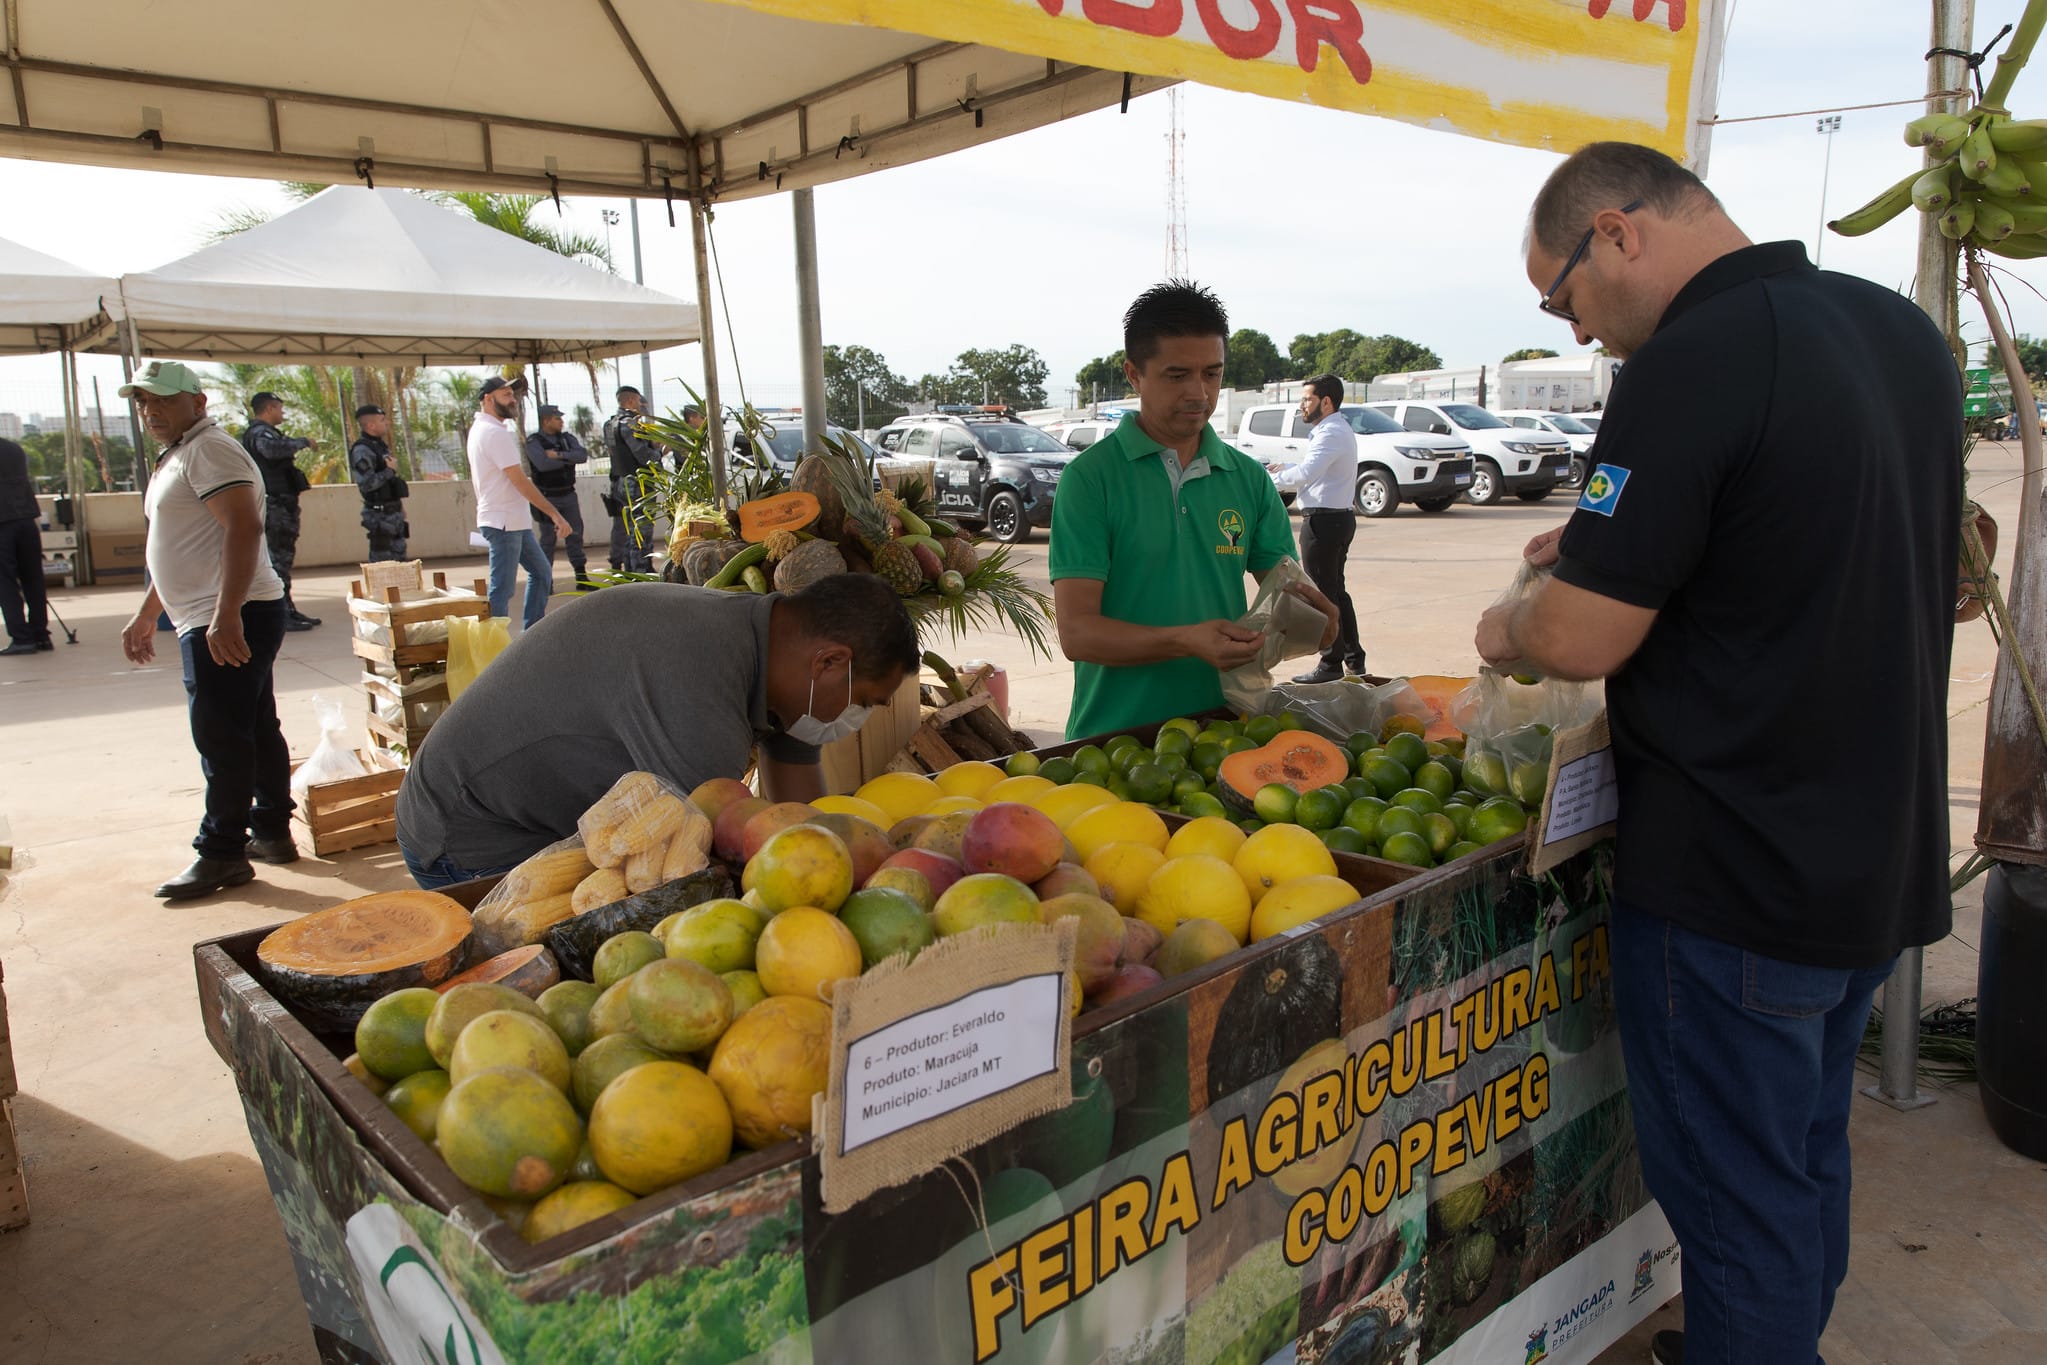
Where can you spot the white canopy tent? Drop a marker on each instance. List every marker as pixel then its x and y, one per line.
pixel 385 277
pixel 46 304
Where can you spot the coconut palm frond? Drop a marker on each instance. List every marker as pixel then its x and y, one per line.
pixel 996 596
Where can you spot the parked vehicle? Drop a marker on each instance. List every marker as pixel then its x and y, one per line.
pixel 1082 434
pixel 995 472
pixel 1505 459
pixel 1394 464
pixel 1565 424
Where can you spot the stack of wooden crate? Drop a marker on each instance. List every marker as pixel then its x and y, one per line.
pixel 406 676
pixel 13 1188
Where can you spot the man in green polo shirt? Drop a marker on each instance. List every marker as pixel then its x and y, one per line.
pixel 1155 527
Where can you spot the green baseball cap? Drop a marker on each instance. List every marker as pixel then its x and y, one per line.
pixel 162 378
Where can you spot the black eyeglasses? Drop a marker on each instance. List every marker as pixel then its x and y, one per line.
pixel 1570 264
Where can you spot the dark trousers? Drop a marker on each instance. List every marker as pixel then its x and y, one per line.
pixel 21 580
pixel 572 513
pixel 1741 1069
pixel 386 526
pixel 632 541
pixel 281 535
pixel 241 745
pixel 1325 542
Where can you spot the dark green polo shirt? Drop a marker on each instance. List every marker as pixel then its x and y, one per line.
pixel 1164 558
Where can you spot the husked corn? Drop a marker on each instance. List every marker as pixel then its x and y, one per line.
pixel 547 874
pixel 602 887
pixel 643 868
pixel 509 924
pixel 686 852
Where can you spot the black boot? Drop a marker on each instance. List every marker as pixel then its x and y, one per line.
pixel 282 849
pixel 206 876
pixel 1325 672
pixel 1667 1348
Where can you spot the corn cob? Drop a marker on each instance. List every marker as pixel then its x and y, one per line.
pixel 550 873
pixel 602 887
pixel 643 868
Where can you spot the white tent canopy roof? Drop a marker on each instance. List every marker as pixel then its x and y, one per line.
pixel 385 277
pixel 44 302
pixel 604 97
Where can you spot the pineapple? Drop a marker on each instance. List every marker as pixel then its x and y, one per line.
pixel 898 567
pixel 869 523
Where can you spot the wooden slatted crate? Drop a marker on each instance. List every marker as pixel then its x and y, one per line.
pixel 396 616
pixel 353 812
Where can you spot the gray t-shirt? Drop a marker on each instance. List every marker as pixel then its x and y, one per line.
pixel 653 677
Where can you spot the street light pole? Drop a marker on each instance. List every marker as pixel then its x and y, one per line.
pixel 646 360
pixel 1828 126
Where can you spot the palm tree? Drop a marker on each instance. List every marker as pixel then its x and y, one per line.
pixel 514 214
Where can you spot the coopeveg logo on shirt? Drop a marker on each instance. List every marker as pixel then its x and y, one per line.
pixel 1603 489
pixel 1231 524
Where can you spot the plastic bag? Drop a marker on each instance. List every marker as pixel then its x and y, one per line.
pixel 334 757
pixel 472 643
pixel 646 831
pixel 1338 710
pixel 1291 628
pixel 418 633
pixel 532 898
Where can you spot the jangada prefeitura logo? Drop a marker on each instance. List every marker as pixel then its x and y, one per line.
pixel 1538 1346
pixel 1231 524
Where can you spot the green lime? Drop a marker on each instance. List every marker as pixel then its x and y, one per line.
pixel 1188 784
pixel 1359 787
pixel 1275 803
pixel 1435 779
pixel 1497 819
pixel 1207 757
pixel 1149 783
pixel 1214 734
pixel 1119 787
pixel 1343 840
pixel 1455 744
pixel 1453 763
pixel 1089 758
pixel 1460 816
pixel 1115 742
pixel 1441 832
pixel 1182 725
pixel 1129 756
pixel 1172 763
pixel 1407 750
pixel 1316 810
pixel 1528 781
pixel 1021 765
pixel 1261 729
pixel 1363 815
pixel 1060 770
pixel 1397 820
pixel 1389 777
pixel 1437 748
pixel 1486 774
pixel 1237 744
pixel 1288 720
pixel 1200 803
pixel 1173 742
pixel 1360 742
pixel 1400 725
pixel 1250 824
pixel 1089 779
pixel 1411 849
pixel 1417 800
pixel 1462 848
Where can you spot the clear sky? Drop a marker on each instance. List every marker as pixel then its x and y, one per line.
pixel 1302 219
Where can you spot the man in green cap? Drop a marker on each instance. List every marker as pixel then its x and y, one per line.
pixel 208 571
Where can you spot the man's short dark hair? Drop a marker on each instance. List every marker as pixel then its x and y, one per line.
pixel 1606 175
pixel 263 400
pixel 1327 386
pixel 1177 308
pixel 863 613
pixel 625 389
pixel 692 413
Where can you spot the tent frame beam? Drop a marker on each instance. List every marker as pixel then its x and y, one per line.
pixel 632 47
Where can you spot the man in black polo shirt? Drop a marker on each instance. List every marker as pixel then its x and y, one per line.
pixel 1777 679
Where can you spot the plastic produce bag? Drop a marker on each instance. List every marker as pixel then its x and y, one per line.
pixel 472 643
pixel 334 757
pixel 532 898
pixel 1338 710
pixel 1291 628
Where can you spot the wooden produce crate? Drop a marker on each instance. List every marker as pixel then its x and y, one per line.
pixel 398 615
pixel 418 707
pixel 13 1186
pixel 353 812
pixel 868 752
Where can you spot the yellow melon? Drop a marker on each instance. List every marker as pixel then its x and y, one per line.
pixel 1125 822
pixel 952 805
pixel 1123 870
pixel 1066 804
pixel 852 805
pixel 1280 853
pixel 899 795
pixel 1198 886
pixel 972 778
pixel 1209 834
pixel 1297 901
pixel 1025 789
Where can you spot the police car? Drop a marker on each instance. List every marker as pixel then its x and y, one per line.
pixel 987 470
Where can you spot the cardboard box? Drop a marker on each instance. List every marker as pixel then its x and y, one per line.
pixel 116 553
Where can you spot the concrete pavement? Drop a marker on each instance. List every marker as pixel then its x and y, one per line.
pixel 154 1237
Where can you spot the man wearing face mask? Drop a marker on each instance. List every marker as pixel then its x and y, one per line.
pixel 685 683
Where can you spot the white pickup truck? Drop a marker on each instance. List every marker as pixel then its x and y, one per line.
pixel 1394 465
pixel 1526 463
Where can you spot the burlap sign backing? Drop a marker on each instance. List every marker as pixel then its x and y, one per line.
pixel 951 971
pixel 1580 800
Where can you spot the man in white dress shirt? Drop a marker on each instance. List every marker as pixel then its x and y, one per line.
pixel 505 502
pixel 1325 482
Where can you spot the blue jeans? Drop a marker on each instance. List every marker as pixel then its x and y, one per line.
pixel 511 551
pixel 445 871
pixel 1741 1069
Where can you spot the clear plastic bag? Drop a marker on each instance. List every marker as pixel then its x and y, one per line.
pixel 472 643
pixel 1338 710
pixel 532 898
pixel 334 758
pixel 1509 729
pixel 646 831
pixel 1291 628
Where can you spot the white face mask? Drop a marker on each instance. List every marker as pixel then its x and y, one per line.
pixel 810 730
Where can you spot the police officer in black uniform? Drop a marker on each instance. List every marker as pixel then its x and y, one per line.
pixel 276 454
pixel 383 493
pixel 632 530
pixel 554 453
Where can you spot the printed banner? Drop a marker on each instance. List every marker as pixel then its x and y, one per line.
pixel 1538 73
pixel 1399 1137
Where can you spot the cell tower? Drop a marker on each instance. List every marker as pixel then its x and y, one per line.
pixel 1176 192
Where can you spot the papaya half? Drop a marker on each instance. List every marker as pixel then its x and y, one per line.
pixel 779 512
pixel 1301 759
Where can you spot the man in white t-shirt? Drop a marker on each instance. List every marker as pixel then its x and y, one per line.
pixel 210 574
pixel 505 502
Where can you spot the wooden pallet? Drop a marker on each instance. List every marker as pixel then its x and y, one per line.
pixel 353 812
pixel 13 1184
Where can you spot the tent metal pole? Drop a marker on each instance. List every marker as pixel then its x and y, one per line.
pixel 809 320
pixel 639 277
pixel 714 411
